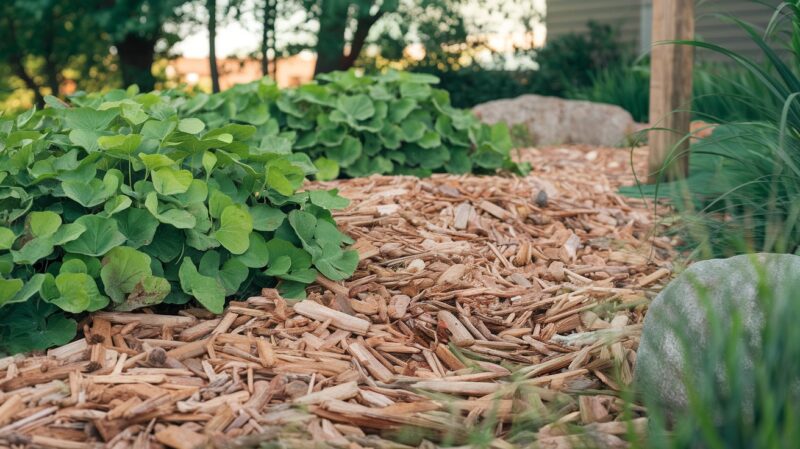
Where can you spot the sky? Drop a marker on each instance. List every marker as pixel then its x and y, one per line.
pixel 239 38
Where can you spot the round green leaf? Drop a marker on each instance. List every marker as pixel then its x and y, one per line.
pixel 168 181
pixel 100 236
pixel 359 107
pixel 191 125
pixel 123 268
pixel 78 293
pixel 327 170
pixel 346 153
pixel 9 289
pixel 257 254
pixel 207 290
pixel 150 290
pixel 7 238
pixel 236 224
pixel 43 224
pixel 266 218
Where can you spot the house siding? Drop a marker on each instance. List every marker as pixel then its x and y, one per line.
pixel 570 16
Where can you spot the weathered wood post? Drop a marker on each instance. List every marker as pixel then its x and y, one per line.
pixel 670 89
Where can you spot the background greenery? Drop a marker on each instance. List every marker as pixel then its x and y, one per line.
pixel 742 192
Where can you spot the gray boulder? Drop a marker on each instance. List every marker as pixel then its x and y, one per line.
pixel 677 331
pixel 555 121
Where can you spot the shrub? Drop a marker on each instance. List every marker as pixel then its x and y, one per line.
pixel 394 123
pixel 125 200
pixel 571 61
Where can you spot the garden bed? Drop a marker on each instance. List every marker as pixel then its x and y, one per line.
pixel 477 301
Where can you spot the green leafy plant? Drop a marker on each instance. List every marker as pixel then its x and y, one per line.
pixel 127 200
pixel 350 125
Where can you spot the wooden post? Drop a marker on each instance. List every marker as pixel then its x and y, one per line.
pixel 670 89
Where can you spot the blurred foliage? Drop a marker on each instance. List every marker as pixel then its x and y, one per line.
pixel 627 87
pixel 569 66
pixel 573 61
pixel 721 92
pixel 743 191
pixel 53 47
pixel 473 85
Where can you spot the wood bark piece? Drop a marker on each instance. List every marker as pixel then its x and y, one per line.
pixel 180 438
pixel 10 407
pixel 341 392
pixel 369 361
pixel 338 319
pixel 460 388
pixel 146 319
pixel 459 334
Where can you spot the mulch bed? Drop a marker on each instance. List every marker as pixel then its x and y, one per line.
pixel 513 305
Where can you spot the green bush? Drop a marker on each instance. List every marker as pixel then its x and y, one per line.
pixel 573 60
pixel 394 123
pixel 126 200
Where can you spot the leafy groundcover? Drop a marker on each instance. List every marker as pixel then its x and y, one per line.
pixel 126 200
pixel 352 126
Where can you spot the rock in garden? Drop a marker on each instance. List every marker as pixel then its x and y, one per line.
pixel 680 313
pixel 554 121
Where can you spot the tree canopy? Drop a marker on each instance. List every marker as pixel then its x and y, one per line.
pixel 46 45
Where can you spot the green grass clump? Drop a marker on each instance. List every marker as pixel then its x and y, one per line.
pixel 126 200
pixel 743 190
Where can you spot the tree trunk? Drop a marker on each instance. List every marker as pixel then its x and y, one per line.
pixel 268 39
pixel 48 36
pixel 16 60
pixel 212 44
pixel 273 38
pixel 359 39
pixel 136 56
pixel 330 38
pixel 264 42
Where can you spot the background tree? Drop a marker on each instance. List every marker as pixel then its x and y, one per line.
pixel 269 14
pixel 136 27
pixel 211 5
pixel 42 40
pixel 343 30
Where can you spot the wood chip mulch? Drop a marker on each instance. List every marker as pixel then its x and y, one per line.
pixel 508 305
